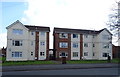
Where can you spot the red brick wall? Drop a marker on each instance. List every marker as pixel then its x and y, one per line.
pixel 81 46
pixel 36 44
pixel 57 40
pixel 47 46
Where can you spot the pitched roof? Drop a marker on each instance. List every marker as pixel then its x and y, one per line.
pixel 83 31
pixel 37 28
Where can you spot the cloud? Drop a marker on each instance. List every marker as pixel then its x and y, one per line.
pixel 3 40
pixel 78 14
pixel 68 13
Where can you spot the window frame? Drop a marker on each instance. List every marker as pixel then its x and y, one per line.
pixel 106 45
pixel 93 44
pixel 42 43
pixel 63 44
pixel 75 45
pixel 75 35
pixel 63 35
pixel 105 37
pixel 86 45
pixel 17 31
pixel 16 54
pixel 61 54
pixel 17 42
pixel 85 36
pixel 42 33
pixel 75 54
pixel 32 43
pixel 85 53
pixel 104 54
pixel 42 53
pixel 32 33
pixel 31 53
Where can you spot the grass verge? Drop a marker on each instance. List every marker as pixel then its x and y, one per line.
pixel 92 61
pixel 11 63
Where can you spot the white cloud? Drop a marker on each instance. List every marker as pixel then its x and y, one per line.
pixel 3 40
pixel 68 13
pixel 81 14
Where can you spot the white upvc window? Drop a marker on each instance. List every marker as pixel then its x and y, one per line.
pixel 63 35
pixel 105 37
pixel 93 53
pixel 105 45
pixel 85 36
pixel 42 43
pixel 75 35
pixel 63 45
pixel 75 54
pixel 105 55
pixel 17 31
pixel 93 45
pixel 85 44
pixel 85 53
pixel 31 53
pixel 32 43
pixel 42 33
pixel 32 33
pixel 75 45
pixel 16 54
pixel 17 42
pixel 63 54
pixel 42 53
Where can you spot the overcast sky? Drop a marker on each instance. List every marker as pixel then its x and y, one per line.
pixel 78 14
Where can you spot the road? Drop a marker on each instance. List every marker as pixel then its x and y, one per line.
pixel 93 71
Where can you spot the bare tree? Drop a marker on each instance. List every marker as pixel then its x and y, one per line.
pixel 114 20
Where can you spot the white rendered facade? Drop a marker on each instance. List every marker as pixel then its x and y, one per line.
pixel 21 43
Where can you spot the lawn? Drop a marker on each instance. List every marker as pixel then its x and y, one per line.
pixel 12 63
pixel 92 61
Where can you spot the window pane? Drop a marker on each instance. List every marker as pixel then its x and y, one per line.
pixel 85 44
pixel 93 45
pixel 63 45
pixel 63 35
pixel 63 53
pixel 105 54
pixel 85 53
pixel 42 53
pixel 17 42
pixel 75 54
pixel 105 37
pixel 20 55
pixel 16 54
pixel 42 33
pixel 13 54
pixel 75 45
pixel 31 42
pixel 32 33
pixel 42 43
pixel 31 53
pixel 75 35
pixel 13 42
pixel 105 45
pixel 86 36
pixel 17 31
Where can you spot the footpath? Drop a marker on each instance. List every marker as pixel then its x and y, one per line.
pixel 58 67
